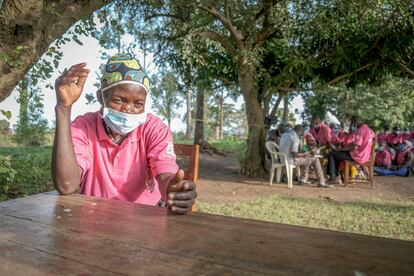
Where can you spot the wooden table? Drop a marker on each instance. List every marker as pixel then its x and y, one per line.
pixel 47 234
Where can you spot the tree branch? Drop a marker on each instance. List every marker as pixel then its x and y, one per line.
pixel 222 40
pixel 331 82
pixel 268 28
pixel 404 67
pixel 227 24
pixel 276 106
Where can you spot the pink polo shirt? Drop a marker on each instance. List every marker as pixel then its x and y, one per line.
pixel 363 141
pixel 322 135
pixel 384 158
pixel 127 171
pixel 382 136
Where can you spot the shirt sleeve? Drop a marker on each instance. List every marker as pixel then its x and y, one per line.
pixel 327 135
pixel 295 144
pixel 80 142
pixel 160 151
pixel 358 138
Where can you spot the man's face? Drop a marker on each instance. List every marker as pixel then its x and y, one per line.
pixel 316 123
pixel 126 98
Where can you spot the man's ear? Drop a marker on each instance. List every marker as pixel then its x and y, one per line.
pixel 99 96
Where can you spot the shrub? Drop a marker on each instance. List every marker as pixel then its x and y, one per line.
pixel 32 166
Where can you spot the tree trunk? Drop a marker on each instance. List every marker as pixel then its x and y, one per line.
pixel 276 106
pixel 23 101
pixel 28 27
pixel 189 128
pixel 219 117
pixel 253 163
pixel 199 121
pixel 286 109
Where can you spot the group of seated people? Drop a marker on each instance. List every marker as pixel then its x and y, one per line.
pixel 395 149
pixel 302 145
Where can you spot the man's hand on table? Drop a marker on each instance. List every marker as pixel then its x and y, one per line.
pixel 181 193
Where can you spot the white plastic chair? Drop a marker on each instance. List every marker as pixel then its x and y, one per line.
pixel 279 161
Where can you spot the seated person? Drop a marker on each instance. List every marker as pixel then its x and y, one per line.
pixel 406 135
pixel 289 144
pixel 395 139
pixel 320 131
pixel 121 151
pixel 358 151
pixel 406 156
pixel 337 134
pixel 385 155
pixel 383 135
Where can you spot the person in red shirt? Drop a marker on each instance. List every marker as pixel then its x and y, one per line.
pixel 405 157
pixel 406 135
pixel 383 136
pixel 359 150
pixel 320 131
pixel 384 156
pixel 337 134
pixel 394 138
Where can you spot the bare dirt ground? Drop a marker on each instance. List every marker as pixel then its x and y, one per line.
pixel 220 181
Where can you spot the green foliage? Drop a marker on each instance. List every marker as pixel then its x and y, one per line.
pixel 7 173
pixel 230 144
pixel 4 127
pixel 32 127
pixel 164 93
pixel 6 113
pixel 28 171
pixel 391 103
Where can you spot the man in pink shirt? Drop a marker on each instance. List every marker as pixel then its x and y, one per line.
pixel 337 136
pixel 359 151
pixel 321 132
pixel 383 135
pixel 395 138
pixel 119 152
pixel 384 156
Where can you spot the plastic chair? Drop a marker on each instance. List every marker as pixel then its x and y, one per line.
pixel 187 159
pixel 279 161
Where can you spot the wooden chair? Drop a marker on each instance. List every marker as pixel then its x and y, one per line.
pixel 367 167
pixel 187 159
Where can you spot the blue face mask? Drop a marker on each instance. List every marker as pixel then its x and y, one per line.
pixel 335 129
pixel 120 122
pixel 354 128
pixel 380 148
pixel 401 147
pixel 289 129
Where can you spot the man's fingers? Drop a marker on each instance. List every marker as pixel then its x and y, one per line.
pixel 189 186
pixel 82 80
pixel 67 80
pixel 178 210
pixel 181 203
pixel 183 195
pixel 79 65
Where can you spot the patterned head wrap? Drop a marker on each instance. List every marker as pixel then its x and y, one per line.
pixel 123 68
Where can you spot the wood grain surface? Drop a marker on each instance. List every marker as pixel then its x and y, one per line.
pixel 48 234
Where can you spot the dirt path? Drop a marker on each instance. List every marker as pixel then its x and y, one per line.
pixel 220 182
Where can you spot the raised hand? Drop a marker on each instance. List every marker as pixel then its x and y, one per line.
pixel 69 86
pixel 181 194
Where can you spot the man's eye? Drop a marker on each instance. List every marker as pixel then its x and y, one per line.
pixel 138 105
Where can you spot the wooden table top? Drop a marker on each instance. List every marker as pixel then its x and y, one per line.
pixel 47 234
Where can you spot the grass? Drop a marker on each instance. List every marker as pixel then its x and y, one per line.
pixel 389 220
